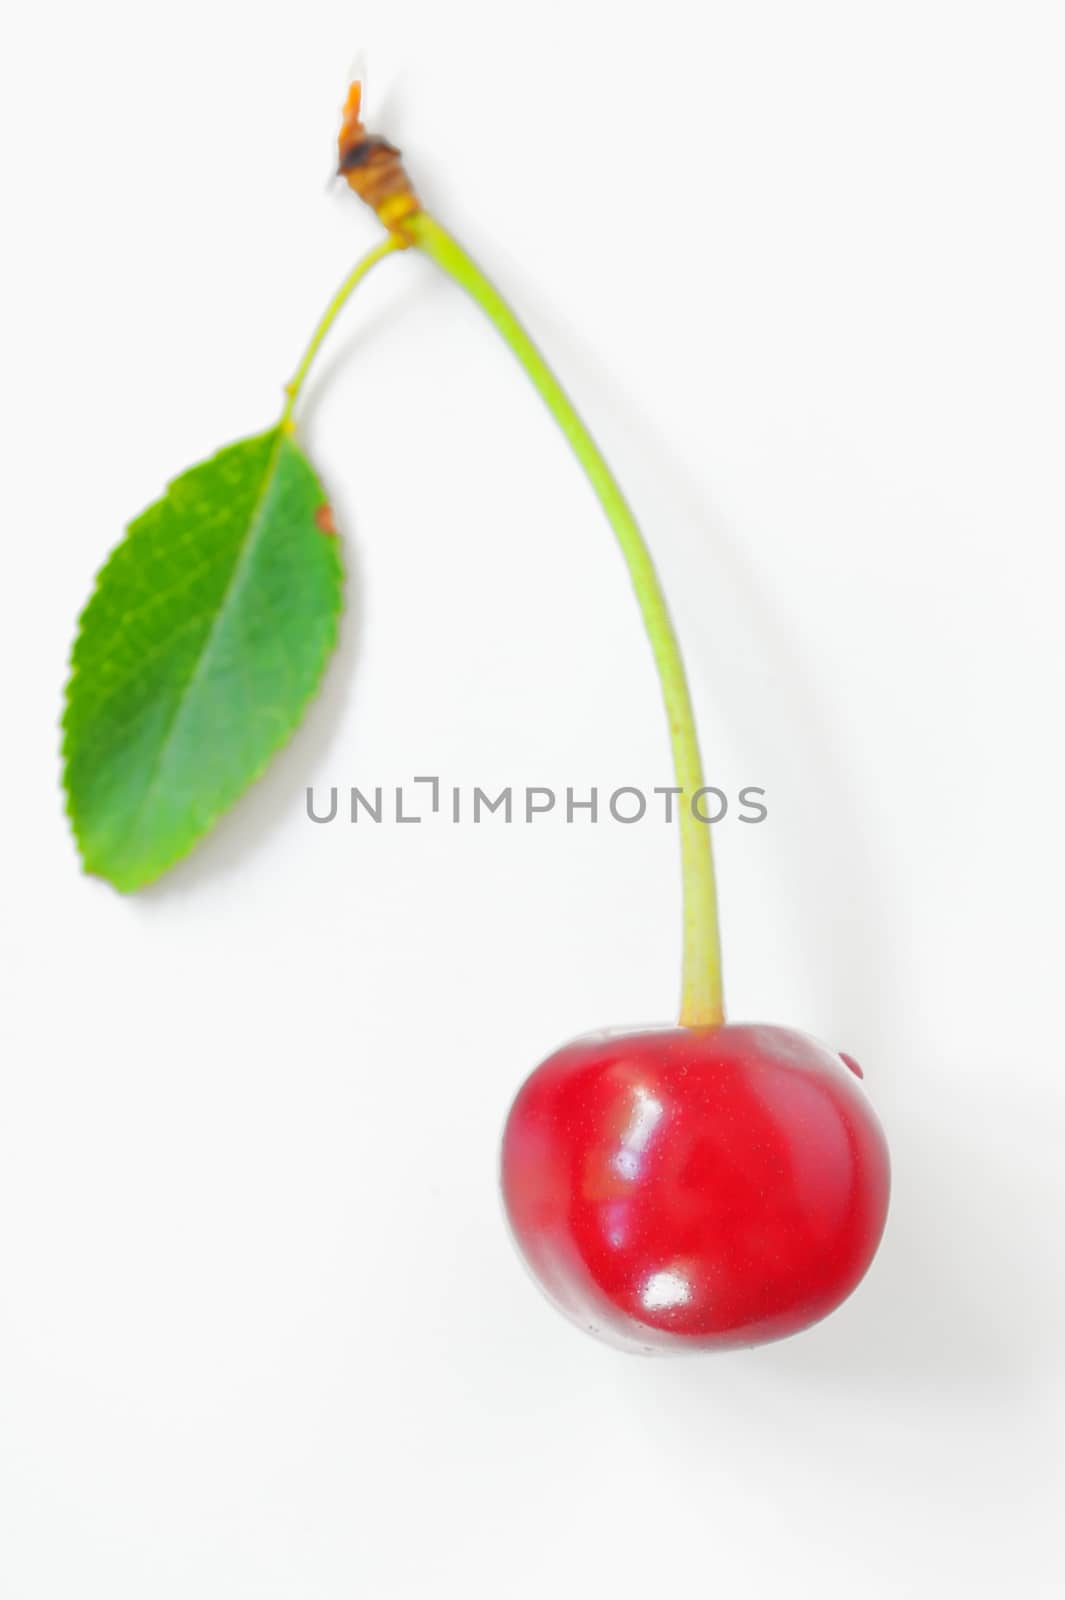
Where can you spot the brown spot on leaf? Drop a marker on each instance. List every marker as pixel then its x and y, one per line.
pixel 323 519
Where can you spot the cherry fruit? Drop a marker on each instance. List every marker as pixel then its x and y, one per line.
pixel 695 1188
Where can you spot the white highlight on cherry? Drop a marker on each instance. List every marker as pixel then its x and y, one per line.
pixel 664 1290
pixel 646 1115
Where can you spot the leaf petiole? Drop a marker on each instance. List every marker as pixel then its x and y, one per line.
pixel 329 315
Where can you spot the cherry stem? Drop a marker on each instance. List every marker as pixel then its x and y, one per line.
pixel 329 315
pixel 701 994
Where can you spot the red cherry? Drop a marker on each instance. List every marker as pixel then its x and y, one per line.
pixel 683 1189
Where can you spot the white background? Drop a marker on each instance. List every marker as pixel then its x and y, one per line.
pixel 262 1333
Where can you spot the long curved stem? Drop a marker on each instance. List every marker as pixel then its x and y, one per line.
pixel 701 992
pixel 329 315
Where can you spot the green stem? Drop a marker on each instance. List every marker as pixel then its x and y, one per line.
pixel 701 997
pixel 329 316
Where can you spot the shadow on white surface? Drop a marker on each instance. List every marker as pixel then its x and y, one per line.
pixel 757 686
pixel 952 1300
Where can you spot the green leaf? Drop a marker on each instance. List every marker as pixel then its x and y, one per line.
pixel 205 637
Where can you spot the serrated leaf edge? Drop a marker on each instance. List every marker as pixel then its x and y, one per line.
pixel 284 739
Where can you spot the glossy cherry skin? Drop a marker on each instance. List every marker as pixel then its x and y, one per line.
pixel 683 1189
